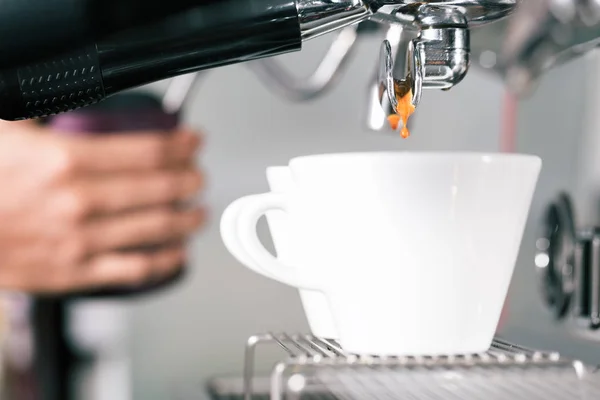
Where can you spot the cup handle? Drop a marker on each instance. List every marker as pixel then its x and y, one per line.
pixel 238 230
pixel 229 235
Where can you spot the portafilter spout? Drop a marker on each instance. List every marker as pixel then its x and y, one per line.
pixel 427 46
pixel 393 62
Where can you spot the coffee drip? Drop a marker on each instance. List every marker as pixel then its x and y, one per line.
pixel 405 108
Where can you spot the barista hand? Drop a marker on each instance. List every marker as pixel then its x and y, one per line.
pixel 70 207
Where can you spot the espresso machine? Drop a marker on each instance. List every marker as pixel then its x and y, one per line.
pixel 196 35
pixel 62 56
pixel 80 53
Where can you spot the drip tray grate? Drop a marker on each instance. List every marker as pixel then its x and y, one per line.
pixel 315 368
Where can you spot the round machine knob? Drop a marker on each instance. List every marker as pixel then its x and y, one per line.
pixel 554 257
pixel 568 262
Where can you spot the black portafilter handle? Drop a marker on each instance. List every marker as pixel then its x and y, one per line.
pixel 212 34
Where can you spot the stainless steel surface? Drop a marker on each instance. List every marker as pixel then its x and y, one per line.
pixel 232 388
pixel 387 90
pixel 389 65
pixel 437 59
pixel 543 33
pixel 278 79
pixel 445 54
pixel 476 12
pixel 319 368
pixel 439 56
pixel 318 17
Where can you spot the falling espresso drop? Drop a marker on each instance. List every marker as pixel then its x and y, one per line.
pixel 405 109
pixel 394 121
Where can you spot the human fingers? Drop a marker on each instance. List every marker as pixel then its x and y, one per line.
pixel 141 228
pixel 131 152
pixel 111 194
pixel 129 269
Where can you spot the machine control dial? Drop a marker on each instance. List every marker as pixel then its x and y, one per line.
pixel 568 263
pixel 554 259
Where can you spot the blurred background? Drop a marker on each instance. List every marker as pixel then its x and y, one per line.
pixel 177 339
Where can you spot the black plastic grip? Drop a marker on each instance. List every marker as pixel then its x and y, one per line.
pixel 33 30
pixel 57 85
pixel 213 34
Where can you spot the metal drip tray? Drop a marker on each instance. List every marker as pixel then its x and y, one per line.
pixel 314 368
pixel 233 389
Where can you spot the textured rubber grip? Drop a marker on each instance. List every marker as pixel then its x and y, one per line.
pixel 57 85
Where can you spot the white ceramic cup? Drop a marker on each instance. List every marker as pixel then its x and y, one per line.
pixel 315 303
pixel 415 251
